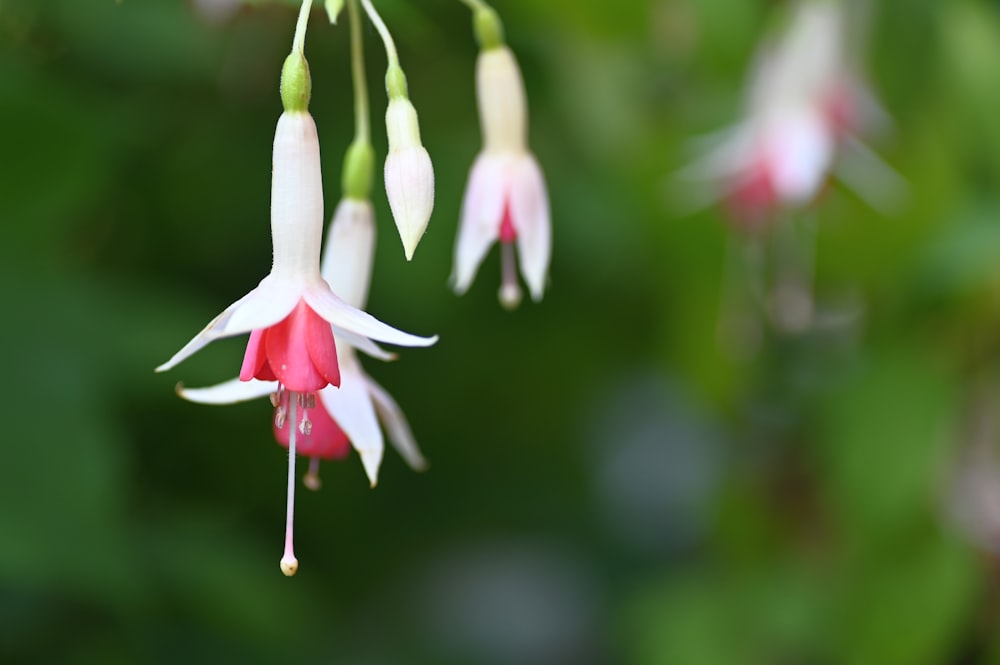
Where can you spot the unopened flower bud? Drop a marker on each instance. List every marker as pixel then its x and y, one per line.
pixel 409 175
pixel 333 8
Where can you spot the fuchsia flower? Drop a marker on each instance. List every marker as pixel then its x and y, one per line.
pixel 348 415
pixel 804 104
pixel 506 199
pixel 293 316
pixel 776 160
pixel 291 311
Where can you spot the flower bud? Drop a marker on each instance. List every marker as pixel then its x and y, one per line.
pixel 409 175
pixel 333 8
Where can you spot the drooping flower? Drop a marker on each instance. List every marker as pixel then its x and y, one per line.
pixel 350 414
pixel 775 160
pixel 293 314
pixel 506 199
pixel 805 106
pixel 291 311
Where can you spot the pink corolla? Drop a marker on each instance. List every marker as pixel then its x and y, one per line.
pixel 348 415
pixel 506 199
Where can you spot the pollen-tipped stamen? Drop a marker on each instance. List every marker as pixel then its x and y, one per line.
pixel 289 564
pixel 311 478
pixel 510 290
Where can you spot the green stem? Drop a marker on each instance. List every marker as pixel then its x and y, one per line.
pixel 486 23
pixel 299 42
pixel 362 131
pixel 475 5
pixel 390 46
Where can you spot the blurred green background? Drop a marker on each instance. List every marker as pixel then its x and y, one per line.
pixel 607 484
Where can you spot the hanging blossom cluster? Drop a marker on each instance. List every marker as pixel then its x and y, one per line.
pixel 305 318
pixel 806 106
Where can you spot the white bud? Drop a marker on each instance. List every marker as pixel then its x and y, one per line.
pixel 333 8
pixel 409 175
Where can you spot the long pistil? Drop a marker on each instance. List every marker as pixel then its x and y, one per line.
pixel 289 564
pixel 510 290
pixel 311 479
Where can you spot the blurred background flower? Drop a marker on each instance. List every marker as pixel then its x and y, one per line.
pixel 605 486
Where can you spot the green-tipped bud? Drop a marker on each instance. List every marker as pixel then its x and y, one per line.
pixel 489 29
pixel 333 8
pixel 359 171
pixel 395 81
pixel 296 85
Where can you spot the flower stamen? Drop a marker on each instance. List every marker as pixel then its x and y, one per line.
pixel 311 478
pixel 510 290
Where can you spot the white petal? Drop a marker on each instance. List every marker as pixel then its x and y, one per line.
pixel 401 125
pixel 349 251
pixel 726 153
pixel 361 343
pixel 482 212
pixel 529 202
pixel 266 305
pixel 871 115
pixel 269 303
pixel 352 408
pixel 870 177
pixel 199 341
pixel 229 392
pixel 802 148
pixel 353 320
pixel 333 8
pixel 409 186
pixel 400 435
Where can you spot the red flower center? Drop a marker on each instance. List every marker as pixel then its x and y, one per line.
pixel 753 197
pixel 508 233
pixel 299 352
